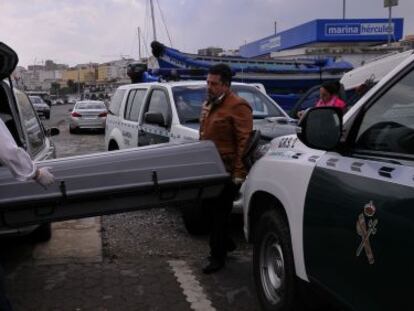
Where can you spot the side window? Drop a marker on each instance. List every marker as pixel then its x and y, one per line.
pixel 128 104
pixel 135 100
pixel 116 102
pixel 388 125
pixel 311 99
pixel 159 103
pixel 257 105
pixel 33 130
pixel 262 107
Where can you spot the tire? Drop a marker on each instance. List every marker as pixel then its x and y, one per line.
pixel 273 264
pixel 47 116
pixel 196 218
pixel 72 130
pixel 43 233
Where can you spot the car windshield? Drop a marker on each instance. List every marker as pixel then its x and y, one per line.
pixel 90 106
pixel 189 100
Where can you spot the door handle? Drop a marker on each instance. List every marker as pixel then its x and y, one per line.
pixel 386 171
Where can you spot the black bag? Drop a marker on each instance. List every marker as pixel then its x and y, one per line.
pixel 249 155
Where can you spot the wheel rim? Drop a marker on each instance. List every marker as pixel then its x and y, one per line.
pixel 272 268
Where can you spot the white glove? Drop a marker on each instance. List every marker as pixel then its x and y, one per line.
pixel 44 177
pixel 238 181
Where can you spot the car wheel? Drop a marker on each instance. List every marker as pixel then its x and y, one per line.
pixel 72 130
pixel 273 265
pixel 43 233
pixel 47 116
pixel 196 218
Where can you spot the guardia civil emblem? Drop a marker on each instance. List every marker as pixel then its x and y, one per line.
pixel 366 226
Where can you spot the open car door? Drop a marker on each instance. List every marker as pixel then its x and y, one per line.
pixel 114 182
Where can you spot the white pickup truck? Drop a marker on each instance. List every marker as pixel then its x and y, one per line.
pixel 152 113
pixel 331 208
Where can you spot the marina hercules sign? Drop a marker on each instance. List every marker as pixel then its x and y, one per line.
pixel 326 31
pixel 357 29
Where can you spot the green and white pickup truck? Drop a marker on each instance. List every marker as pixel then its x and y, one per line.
pixel 332 208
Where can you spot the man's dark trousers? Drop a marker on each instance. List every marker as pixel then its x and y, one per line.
pixel 220 213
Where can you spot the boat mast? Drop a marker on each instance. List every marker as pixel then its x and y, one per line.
pixel 154 32
pixel 139 43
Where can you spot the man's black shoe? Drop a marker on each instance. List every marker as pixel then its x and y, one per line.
pixel 231 246
pixel 213 266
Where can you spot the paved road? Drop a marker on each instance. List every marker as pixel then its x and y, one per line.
pixel 141 260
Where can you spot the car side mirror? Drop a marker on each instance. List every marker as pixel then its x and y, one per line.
pixel 154 118
pixel 321 128
pixel 52 131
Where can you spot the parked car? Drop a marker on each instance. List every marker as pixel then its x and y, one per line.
pixel 88 114
pixel 331 208
pixel 43 94
pixel 100 183
pixel 25 126
pixel 40 106
pixel 72 100
pixel 152 113
pixel 355 83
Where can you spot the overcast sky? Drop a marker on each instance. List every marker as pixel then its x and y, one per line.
pixel 81 31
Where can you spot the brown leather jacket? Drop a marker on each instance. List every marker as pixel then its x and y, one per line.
pixel 228 124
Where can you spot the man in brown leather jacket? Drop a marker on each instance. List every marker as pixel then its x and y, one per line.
pixel 226 119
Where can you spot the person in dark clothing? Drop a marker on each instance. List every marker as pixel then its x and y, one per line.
pixel 226 119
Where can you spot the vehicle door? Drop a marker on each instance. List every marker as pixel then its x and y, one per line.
pixel 132 109
pixel 37 144
pixel 359 209
pixel 156 119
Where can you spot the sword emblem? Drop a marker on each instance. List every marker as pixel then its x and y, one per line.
pixel 366 232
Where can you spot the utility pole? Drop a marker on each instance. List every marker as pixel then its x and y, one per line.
pixel 389 25
pixel 154 32
pixel 275 27
pixel 389 4
pixel 343 8
pixel 78 86
pixel 139 43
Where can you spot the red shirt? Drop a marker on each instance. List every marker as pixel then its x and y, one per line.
pixel 334 102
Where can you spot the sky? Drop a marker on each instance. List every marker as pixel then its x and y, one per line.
pixel 81 31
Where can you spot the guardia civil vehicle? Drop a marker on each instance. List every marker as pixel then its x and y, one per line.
pixel 332 208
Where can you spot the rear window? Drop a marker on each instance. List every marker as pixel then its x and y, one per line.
pixel 116 101
pixel 90 106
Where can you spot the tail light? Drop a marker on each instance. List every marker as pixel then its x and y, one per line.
pixel 76 115
pixel 103 114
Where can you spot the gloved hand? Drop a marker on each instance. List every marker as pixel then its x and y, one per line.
pixel 44 177
pixel 238 181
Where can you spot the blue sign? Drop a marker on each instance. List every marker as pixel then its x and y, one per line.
pixel 326 30
pixel 358 29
